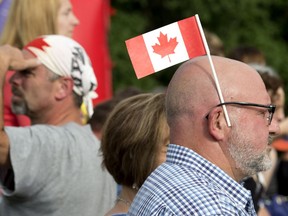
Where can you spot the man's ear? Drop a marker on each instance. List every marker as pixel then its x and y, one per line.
pixel 64 87
pixel 217 123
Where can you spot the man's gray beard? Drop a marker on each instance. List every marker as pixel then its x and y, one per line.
pixel 19 108
pixel 242 153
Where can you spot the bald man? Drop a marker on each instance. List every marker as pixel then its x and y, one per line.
pixel 208 159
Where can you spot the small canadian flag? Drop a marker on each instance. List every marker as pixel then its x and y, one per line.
pixel 166 46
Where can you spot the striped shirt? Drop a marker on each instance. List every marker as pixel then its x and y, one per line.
pixel 188 184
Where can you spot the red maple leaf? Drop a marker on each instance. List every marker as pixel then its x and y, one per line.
pixel 39 43
pixel 165 47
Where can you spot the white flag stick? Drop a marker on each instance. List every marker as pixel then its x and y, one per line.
pixel 213 70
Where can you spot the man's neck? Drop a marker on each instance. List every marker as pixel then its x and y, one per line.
pixel 57 118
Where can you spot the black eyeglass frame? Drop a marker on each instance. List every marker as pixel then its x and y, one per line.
pixel 271 108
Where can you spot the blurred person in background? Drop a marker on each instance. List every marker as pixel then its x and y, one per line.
pixel 134 143
pixel 215 44
pixel 248 54
pixel 102 110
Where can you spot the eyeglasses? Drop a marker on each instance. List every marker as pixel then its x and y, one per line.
pixel 270 108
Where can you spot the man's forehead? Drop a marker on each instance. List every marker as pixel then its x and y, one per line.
pixel 27 54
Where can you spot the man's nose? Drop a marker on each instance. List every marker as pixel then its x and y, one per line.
pixel 15 78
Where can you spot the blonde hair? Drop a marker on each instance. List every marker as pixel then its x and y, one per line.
pixel 28 19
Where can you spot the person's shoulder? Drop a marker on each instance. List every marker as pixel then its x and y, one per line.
pixel 183 183
pixel 78 128
pixel 174 175
pixel 79 131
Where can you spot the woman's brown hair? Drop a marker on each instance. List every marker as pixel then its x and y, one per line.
pixel 132 137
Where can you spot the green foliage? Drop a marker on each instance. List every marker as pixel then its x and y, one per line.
pixel 260 23
pixel 126 24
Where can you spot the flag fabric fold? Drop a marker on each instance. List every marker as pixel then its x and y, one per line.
pixel 165 46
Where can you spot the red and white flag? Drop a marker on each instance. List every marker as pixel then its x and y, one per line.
pixel 166 46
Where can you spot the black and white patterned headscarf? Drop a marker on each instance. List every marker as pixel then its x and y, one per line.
pixel 66 57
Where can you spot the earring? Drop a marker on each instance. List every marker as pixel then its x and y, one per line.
pixel 135 187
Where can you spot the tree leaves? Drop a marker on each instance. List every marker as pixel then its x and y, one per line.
pixel 258 23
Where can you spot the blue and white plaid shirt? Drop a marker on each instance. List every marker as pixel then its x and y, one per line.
pixel 188 184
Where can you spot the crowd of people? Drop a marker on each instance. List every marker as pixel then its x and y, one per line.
pixel 138 153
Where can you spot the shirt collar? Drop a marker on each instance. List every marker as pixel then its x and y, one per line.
pixel 186 157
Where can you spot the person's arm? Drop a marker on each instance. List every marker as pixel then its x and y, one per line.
pixel 10 58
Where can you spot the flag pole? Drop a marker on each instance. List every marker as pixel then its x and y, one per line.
pixel 213 70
